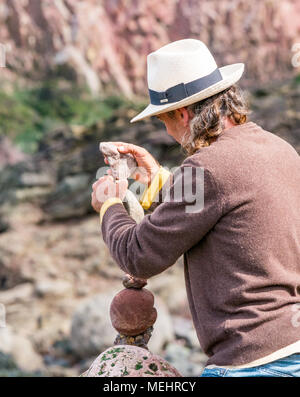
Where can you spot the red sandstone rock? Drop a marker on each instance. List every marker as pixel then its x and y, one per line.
pixel 9 154
pixel 132 311
pixel 109 40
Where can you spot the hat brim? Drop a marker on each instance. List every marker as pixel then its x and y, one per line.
pixel 230 75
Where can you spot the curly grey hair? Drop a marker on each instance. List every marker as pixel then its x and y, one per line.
pixel 208 115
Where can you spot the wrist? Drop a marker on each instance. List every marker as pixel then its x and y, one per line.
pixel 107 203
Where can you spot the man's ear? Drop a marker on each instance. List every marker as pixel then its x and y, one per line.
pixel 185 116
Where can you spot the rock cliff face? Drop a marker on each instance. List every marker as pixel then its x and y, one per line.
pixel 105 43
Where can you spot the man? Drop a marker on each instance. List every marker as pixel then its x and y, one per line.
pixel 242 246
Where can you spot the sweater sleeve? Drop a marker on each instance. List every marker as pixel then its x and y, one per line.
pixel 191 208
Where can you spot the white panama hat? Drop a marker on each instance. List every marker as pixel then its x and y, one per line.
pixel 184 72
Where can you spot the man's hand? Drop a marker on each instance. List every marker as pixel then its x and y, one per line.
pixel 105 188
pixel 148 166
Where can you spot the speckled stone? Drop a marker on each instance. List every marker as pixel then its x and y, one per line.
pixel 123 360
pixel 138 340
pixel 132 311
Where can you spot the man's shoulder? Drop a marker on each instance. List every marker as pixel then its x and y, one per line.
pixel 244 150
pixel 210 156
pixel 234 150
pixel 241 144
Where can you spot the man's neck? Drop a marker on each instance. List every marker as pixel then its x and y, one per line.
pixel 228 124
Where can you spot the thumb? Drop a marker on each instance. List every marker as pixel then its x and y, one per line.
pixel 123 148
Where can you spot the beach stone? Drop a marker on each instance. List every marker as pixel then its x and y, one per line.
pixel 184 329
pixel 53 288
pixel 137 340
pixel 132 311
pixel 163 332
pixel 21 350
pixel 133 282
pixel 188 361
pixel 20 293
pixel 91 329
pixel 131 361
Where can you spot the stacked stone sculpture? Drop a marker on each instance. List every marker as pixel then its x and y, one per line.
pixel 133 315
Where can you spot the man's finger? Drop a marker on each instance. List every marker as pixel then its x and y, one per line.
pixel 124 147
pixel 95 203
pixel 105 189
pixel 135 150
pixel 103 179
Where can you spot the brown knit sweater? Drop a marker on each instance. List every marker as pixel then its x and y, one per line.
pixel 241 251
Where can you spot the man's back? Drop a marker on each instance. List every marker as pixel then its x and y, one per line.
pixel 243 278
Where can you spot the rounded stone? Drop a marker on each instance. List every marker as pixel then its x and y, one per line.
pixel 133 282
pixel 131 361
pixel 132 311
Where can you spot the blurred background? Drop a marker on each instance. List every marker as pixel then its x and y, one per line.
pixel 72 74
